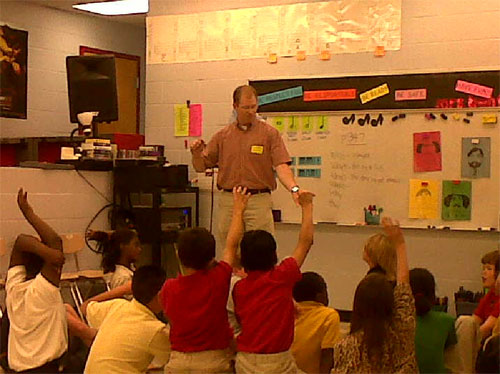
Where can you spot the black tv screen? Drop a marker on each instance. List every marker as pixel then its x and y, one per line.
pixel 92 87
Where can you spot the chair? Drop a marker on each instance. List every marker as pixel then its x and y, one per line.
pixel 72 244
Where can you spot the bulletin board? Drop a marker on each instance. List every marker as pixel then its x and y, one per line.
pixel 423 147
pixel 352 166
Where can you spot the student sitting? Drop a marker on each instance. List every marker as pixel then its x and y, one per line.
pixel 120 250
pixel 129 334
pixel 382 337
pixel 317 327
pixel 195 303
pixel 435 331
pixel 489 355
pixel 380 255
pixel 263 300
pixel 472 330
pixel 38 333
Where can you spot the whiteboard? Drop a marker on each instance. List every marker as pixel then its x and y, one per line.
pixel 372 165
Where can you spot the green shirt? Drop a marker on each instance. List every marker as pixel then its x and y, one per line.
pixel 435 331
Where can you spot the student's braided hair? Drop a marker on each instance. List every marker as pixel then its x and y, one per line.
pixel 109 244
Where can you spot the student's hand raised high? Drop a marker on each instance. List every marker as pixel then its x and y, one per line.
pixel 22 202
pixel 305 197
pixel 393 231
pixel 240 198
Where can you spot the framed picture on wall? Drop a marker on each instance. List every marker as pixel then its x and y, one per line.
pixel 13 72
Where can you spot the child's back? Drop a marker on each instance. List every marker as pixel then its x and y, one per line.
pixel 435 331
pixel 263 300
pixel 317 327
pixel 195 303
pixel 196 308
pixel 264 306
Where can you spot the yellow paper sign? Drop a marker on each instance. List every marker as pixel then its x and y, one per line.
pixel 320 123
pixel 293 124
pixel 278 123
pixel 374 93
pixel 181 126
pixel 489 119
pixel 257 149
pixel 307 124
pixel 423 199
pixel 272 58
pixel 325 55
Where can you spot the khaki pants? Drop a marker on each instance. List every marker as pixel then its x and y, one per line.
pixel 258 214
pixel 469 341
pixel 260 363
pixel 205 362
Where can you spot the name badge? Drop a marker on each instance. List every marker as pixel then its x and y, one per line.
pixel 257 149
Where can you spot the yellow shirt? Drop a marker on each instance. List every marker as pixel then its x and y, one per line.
pixel 129 337
pixel 317 327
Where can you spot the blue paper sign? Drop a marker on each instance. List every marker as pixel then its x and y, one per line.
pixel 281 95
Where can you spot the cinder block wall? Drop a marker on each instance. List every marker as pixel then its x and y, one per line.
pixel 437 36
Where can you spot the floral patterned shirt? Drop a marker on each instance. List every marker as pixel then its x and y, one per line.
pixel 399 350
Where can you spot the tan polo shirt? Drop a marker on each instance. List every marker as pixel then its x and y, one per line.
pixel 246 158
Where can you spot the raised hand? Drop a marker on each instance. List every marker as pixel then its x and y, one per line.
pixel 197 147
pixel 304 197
pixel 240 198
pixel 22 202
pixel 393 231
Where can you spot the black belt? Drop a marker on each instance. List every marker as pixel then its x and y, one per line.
pixel 252 191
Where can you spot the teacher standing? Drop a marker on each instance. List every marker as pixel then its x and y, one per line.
pixel 248 153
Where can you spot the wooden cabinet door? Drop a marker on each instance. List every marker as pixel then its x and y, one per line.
pixel 128 89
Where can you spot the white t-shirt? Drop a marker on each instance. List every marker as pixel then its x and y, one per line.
pixel 38 329
pixel 120 276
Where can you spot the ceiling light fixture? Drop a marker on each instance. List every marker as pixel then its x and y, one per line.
pixel 115 8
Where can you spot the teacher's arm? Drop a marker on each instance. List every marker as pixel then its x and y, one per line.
pixel 287 179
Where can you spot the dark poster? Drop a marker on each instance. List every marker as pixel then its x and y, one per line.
pixel 13 72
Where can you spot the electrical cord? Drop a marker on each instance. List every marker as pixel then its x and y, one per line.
pixel 91 185
pixel 87 229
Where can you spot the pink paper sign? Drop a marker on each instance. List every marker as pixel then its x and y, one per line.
pixel 414 94
pixel 474 89
pixel 427 151
pixel 195 119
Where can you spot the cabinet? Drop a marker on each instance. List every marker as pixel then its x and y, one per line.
pixel 161 203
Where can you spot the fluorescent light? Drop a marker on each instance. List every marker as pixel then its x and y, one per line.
pixel 114 8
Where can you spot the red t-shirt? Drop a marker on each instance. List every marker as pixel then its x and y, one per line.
pixel 489 305
pixel 263 304
pixel 196 309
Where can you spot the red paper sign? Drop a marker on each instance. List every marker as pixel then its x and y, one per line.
pixel 474 89
pixel 345 94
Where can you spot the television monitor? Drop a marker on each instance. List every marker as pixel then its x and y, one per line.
pixel 92 87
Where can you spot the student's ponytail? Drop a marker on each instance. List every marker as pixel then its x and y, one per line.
pixel 109 245
pixel 424 290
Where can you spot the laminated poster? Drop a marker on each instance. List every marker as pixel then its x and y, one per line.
pixel 427 151
pixel 476 157
pixel 457 200
pixel 424 199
